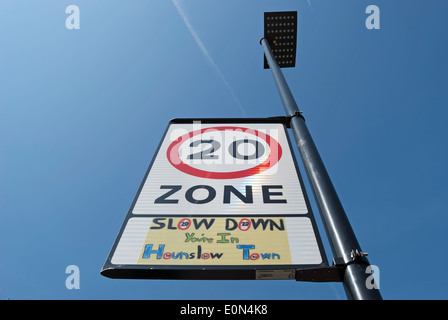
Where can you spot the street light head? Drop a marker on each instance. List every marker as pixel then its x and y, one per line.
pixel 280 31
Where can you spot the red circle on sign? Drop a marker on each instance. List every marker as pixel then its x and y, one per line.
pixel 254 256
pixel 181 225
pixel 175 160
pixel 244 224
pixel 167 255
pixel 205 256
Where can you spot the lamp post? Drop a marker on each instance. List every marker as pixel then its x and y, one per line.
pixel 281 33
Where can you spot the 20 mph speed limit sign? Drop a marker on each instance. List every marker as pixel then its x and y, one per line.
pixel 218 193
pixel 221 169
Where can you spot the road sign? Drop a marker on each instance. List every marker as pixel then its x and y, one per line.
pixel 222 199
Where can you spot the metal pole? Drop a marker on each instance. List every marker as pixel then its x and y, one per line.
pixel 346 249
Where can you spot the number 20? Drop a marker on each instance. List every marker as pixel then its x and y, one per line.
pixel 233 149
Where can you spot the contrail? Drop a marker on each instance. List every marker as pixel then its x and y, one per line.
pixel 201 46
pixel 309 3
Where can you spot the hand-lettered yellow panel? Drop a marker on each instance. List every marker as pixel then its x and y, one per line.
pixel 216 241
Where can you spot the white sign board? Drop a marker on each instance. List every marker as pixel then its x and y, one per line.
pixel 218 194
pixel 223 169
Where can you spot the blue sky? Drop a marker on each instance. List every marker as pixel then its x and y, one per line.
pixel 82 112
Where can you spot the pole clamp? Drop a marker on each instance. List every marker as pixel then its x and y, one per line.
pixel 287 120
pixel 334 273
pixel 356 256
pixel 297 114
